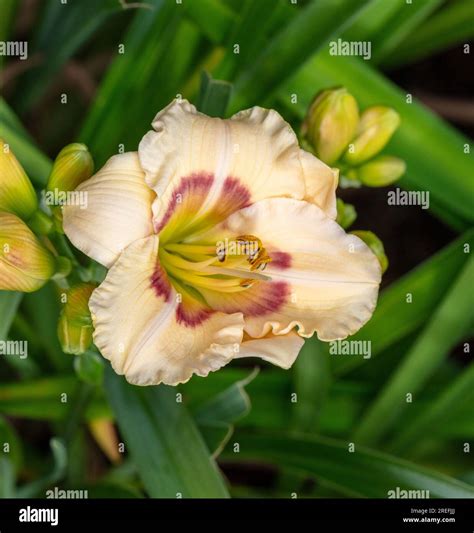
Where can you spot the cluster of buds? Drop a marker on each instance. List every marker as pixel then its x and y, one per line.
pixel 28 256
pixel 338 135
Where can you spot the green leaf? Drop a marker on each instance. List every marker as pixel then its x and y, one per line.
pixel 456 394
pixel 452 25
pixel 312 379
pixel 449 324
pixel 214 96
pixel 363 473
pixel 402 24
pixel 163 441
pixel 421 131
pixel 216 417
pixel 63 29
pixel 42 309
pixel 9 303
pixel 310 28
pixel 9 8
pixel 213 17
pixel 89 367
pixel 36 164
pixel 7 478
pixel 9 436
pixel 40 399
pixel 142 80
pixel 37 487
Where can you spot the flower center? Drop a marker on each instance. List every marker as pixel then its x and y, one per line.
pixel 230 265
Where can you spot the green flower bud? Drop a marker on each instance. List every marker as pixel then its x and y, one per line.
pixel 25 264
pixel 381 171
pixel 75 322
pixel 346 214
pixel 375 244
pixel 17 194
pixel 376 127
pixel 330 123
pixel 72 166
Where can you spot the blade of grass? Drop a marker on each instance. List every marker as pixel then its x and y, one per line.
pixel 9 303
pixel 214 96
pixel 216 417
pixel 63 29
pixel 305 34
pixel 312 379
pixel 163 441
pixel 142 80
pixel 213 17
pixel 449 324
pixel 440 410
pixel 452 25
pixel 363 473
pixel 405 21
pixel 9 8
pixel 36 164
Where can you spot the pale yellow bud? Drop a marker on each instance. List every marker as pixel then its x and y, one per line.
pixel 376 127
pixel 72 166
pixel 381 171
pixel 330 124
pixel 17 194
pixel 75 322
pixel 25 264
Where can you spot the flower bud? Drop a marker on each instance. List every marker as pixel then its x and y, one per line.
pixel 75 322
pixel 330 123
pixel 375 244
pixel 17 194
pixel 381 171
pixel 72 166
pixel 25 264
pixel 346 214
pixel 376 126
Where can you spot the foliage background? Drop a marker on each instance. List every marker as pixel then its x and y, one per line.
pixel 65 419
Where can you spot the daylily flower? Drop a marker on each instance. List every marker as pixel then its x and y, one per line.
pixel 221 241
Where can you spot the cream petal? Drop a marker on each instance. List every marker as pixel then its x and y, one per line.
pixel 280 350
pixel 321 183
pixel 138 327
pixel 118 210
pixel 323 279
pixel 253 155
